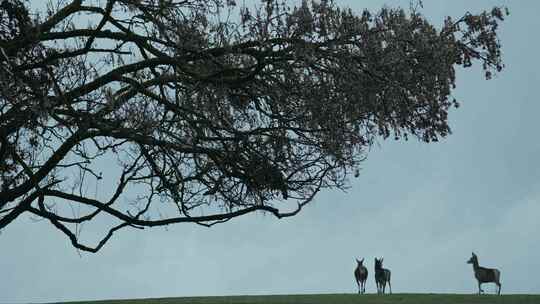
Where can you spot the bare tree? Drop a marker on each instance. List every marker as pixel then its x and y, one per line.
pixel 206 110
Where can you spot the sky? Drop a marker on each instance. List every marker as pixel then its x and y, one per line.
pixel 423 207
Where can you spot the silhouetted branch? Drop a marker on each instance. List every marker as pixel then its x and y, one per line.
pixel 177 115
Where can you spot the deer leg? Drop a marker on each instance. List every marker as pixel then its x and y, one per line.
pixel 390 286
pixel 497 281
pixel 480 288
pixel 383 287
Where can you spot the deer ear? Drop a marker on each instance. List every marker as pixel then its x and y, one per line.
pixel 362 260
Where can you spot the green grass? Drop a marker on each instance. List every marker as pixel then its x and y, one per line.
pixel 337 298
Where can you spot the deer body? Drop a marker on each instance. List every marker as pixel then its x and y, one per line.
pixel 485 275
pixel 361 274
pixel 382 276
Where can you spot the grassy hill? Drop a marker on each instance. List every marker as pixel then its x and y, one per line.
pixel 336 298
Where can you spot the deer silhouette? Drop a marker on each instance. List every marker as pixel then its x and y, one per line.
pixel 382 276
pixel 361 274
pixel 485 275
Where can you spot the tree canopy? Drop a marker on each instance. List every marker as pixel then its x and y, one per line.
pixel 155 112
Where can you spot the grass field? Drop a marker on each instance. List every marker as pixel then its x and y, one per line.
pixel 338 299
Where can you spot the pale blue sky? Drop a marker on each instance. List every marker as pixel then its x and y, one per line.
pixel 423 207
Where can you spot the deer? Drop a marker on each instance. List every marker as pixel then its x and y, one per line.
pixel 485 275
pixel 361 274
pixel 382 276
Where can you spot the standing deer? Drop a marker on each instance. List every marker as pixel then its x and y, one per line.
pixel 485 275
pixel 381 277
pixel 360 274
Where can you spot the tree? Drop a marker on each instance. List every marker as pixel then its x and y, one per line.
pixel 201 111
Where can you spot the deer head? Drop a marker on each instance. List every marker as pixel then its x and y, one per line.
pixel 473 259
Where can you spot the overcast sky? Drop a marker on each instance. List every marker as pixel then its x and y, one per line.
pixel 424 207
